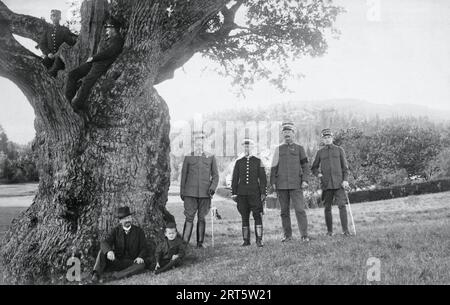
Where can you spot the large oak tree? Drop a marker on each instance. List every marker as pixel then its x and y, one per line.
pixel 122 155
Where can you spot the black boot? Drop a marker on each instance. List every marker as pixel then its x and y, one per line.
pixel 259 235
pixel 201 225
pixel 187 231
pixel 246 236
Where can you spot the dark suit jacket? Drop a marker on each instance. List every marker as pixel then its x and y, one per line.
pixel 249 177
pixel 109 51
pixel 135 247
pixel 54 37
pixel 333 166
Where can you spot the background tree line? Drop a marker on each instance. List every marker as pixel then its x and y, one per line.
pixel 17 162
pixel 382 150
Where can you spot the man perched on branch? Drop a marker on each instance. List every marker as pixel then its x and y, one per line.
pixel 93 68
pixel 51 41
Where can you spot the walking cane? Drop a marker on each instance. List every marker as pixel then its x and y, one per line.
pixel 213 214
pixel 351 214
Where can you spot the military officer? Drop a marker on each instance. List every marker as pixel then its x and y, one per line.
pixel 334 179
pixel 288 177
pixel 51 40
pixel 248 189
pixel 199 180
pixel 94 68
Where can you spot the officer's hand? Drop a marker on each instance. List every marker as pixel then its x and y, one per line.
pixel 263 197
pixel 175 256
pixel 304 185
pixel 138 260
pixel 234 197
pixel 110 255
pixel 182 197
pixel 320 175
pixel 50 55
pixel 274 187
pixel 345 184
pixel 89 59
pixel 211 192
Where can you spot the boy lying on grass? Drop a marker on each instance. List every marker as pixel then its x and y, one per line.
pixel 170 253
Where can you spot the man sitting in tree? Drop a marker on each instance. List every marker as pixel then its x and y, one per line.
pixel 93 68
pixel 51 41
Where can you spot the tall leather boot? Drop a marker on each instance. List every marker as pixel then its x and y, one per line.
pixel 259 235
pixel 201 226
pixel 187 231
pixel 246 236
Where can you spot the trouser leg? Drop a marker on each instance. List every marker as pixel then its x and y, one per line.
pixel 190 209
pixel 129 271
pixel 58 65
pixel 204 207
pixel 47 62
pixel 187 231
pixel 72 79
pixel 328 196
pixel 299 206
pixel 284 199
pixel 100 263
pixel 244 210
pixel 85 89
pixel 341 199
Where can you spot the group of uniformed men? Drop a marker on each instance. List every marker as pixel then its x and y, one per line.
pixel 288 177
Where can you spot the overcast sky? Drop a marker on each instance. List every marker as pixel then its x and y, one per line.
pixel 390 52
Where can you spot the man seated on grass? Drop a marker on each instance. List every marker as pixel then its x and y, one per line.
pixel 170 253
pixel 123 251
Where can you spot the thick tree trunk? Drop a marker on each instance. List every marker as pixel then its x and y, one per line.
pixel 121 158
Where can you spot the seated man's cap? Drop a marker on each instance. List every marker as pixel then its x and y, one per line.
pixel 248 141
pixel 55 12
pixel 288 126
pixel 326 132
pixel 123 212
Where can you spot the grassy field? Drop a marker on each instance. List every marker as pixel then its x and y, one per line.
pixel 410 236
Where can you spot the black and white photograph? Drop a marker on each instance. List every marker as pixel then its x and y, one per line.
pixel 224 149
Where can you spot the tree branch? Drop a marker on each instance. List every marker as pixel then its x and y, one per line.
pixel 25 70
pixel 22 25
pixel 196 38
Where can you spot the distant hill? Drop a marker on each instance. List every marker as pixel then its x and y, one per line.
pixel 366 110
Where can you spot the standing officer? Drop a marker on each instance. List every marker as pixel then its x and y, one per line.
pixel 288 177
pixel 50 42
pixel 199 180
pixel 334 179
pixel 249 190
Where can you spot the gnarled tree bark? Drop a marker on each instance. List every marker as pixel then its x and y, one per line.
pixel 120 158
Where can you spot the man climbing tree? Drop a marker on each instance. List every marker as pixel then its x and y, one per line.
pixel 123 156
pixel 51 41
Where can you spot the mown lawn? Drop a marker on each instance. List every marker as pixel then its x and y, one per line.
pixel 410 236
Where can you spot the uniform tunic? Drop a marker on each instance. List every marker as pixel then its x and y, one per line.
pixel 289 167
pixel 333 166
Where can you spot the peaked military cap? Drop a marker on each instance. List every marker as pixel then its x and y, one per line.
pixel 326 132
